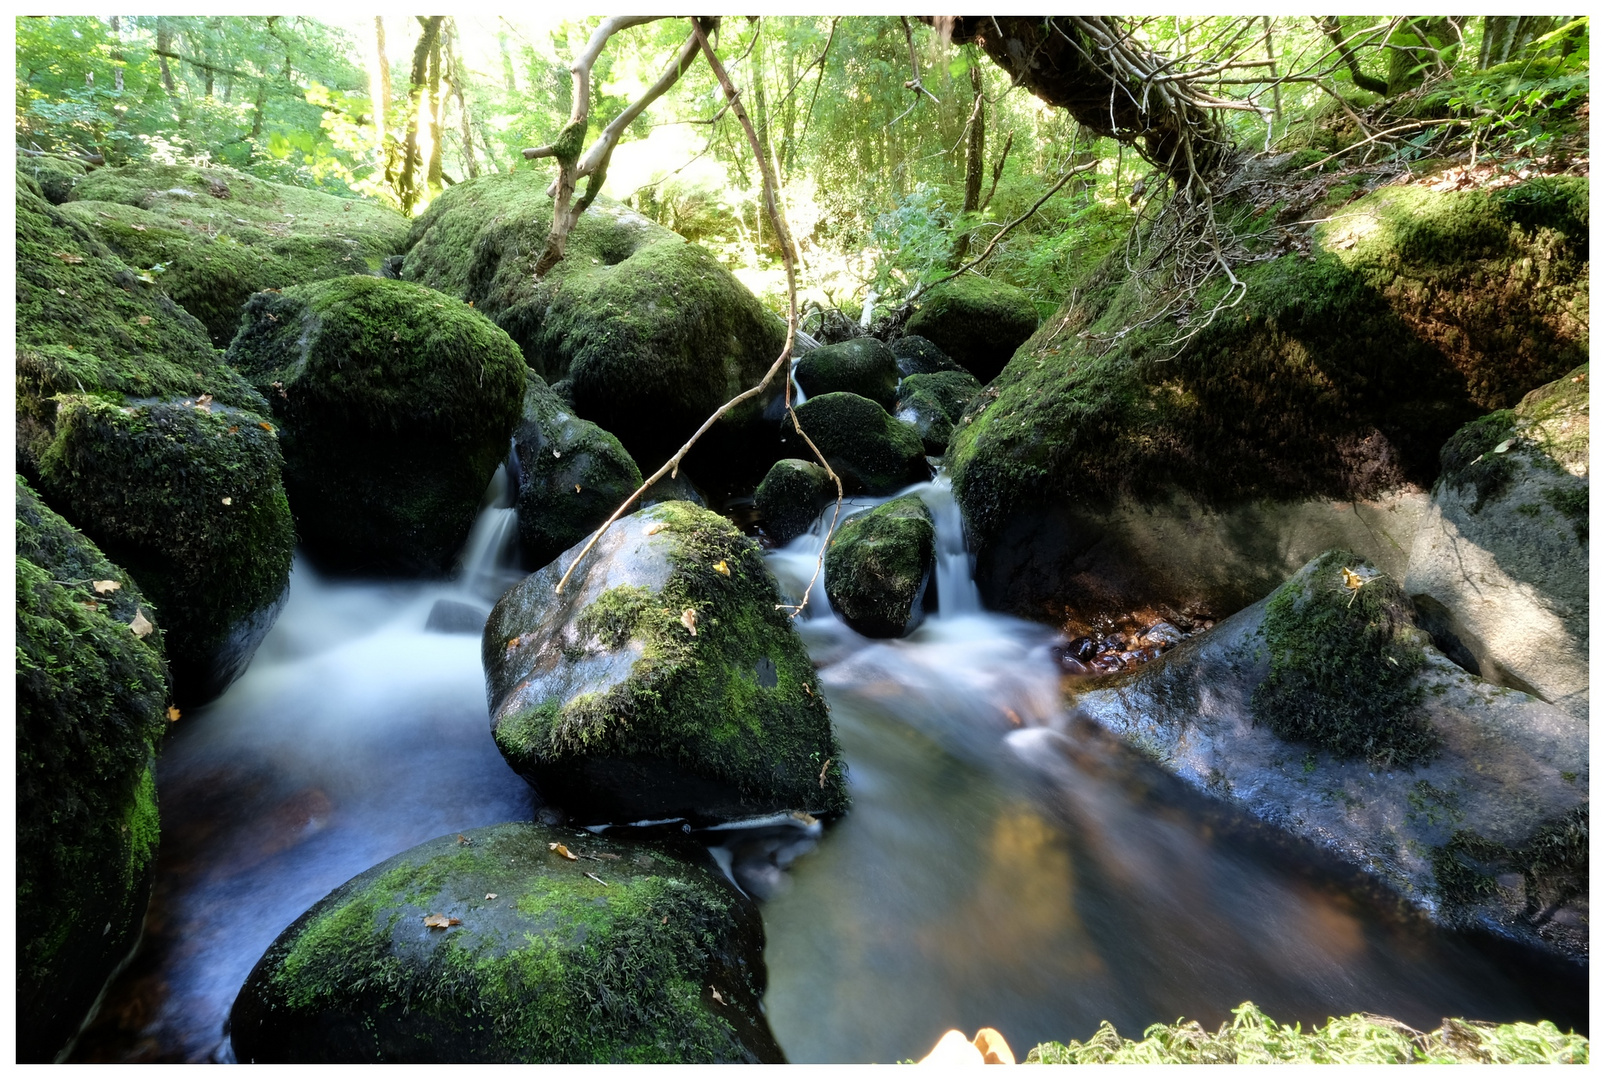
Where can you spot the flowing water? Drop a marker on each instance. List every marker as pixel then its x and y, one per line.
pixel 1001 866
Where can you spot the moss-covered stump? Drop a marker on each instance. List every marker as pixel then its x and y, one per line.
pixel 862 366
pixel 1499 569
pixel 878 567
pixel 977 322
pixel 649 332
pixel 1337 378
pixel 572 475
pixel 791 497
pixel 872 452
pixel 665 681
pixel 1357 1039
pixel 934 403
pixel 397 404
pixel 918 356
pixel 134 428
pixel 55 175
pixel 650 957
pixel 212 236
pixel 1468 799
pixel 91 706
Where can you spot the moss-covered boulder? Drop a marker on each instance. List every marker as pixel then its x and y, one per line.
pixel 791 497
pixel 1335 380
pixel 862 366
pixel 572 475
pixel 91 706
pixel 664 681
pixel 879 565
pixel 397 404
pixel 55 175
pixel 1325 710
pixel 918 356
pixel 492 946
pixel 872 452
pixel 212 236
pixel 1499 569
pixel 132 426
pixel 976 321
pixel 934 403
pixel 649 332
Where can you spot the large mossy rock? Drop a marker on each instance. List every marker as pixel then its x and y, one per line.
pixel 572 475
pixel 1500 563
pixel 55 175
pixel 664 681
pixel 397 404
pixel 132 426
pixel 212 236
pixel 933 403
pixel 652 957
pixel 879 565
pixel 91 706
pixel 791 497
pixel 1334 381
pixel 918 356
pixel 976 321
pixel 1325 710
pixel 872 452
pixel 862 366
pixel 649 332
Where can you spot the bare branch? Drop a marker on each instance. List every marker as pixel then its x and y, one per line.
pixel 597 156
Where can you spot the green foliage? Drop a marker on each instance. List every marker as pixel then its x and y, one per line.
pixel 1516 105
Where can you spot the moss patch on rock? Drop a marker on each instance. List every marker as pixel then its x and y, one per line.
pixel 878 566
pixel 1553 865
pixel 934 403
pixel 1344 653
pixel 397 404
pixel 91 700
pixel 54 176
pixel 541 964
pixel 791 497
pixel 977 322
pixel 617 711
pixel 919 356
pixel 213 236
pixel 872 452
pixel 862 366
pixel 573 475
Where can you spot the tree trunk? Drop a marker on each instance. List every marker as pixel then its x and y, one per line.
pixel 1413 51
pixel 164 44
pixel 411 159
pixel 509 73
pixel 974 161
pixel 117 53
pixel 379 86
pixel 437 111
pixel 458 78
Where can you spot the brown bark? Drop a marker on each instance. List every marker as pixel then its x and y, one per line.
pixel 411 159
pixel 458 78
pixel 164 44
pixel 437 110
pixel 974 161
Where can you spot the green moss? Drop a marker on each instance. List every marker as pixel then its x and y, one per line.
pixel 1358 1039
pixel 937 401
pixel 55 177
pixel 1554 418
pixel 791 496
pixel 90 702
pixel 1553 864
pixel 918 356
pixel 1343 665
pixel 976 321
pixel 559 967
pixel 1469 457
pixel 613 616
pixel 878 565
pixel 396 402
pixel 862 366
pixel 871 451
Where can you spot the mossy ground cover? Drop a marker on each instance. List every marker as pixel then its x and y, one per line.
pixel 878 565
pixel 1252 1037
pixel 396 402
pixel 1339 375
pixel 91 702
pixel 546 964
pixel 1344 652
pixel 213 236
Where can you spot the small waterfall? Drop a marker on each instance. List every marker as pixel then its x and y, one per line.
pixel 488 558
pixel 955 584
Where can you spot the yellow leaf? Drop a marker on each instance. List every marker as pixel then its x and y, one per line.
pixel 653 530
pixel 723 567
pixel 576 489
pixel 172 713
pixel 105 587
pixel 440 922
pixel 141 626
pixel 1351 580
pixel 234 429
pixel 688 619
pixel 264 425
pixel 563 851
pixel 204 402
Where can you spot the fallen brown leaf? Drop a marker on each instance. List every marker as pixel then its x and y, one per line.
pixel 653 530
pixel 105 587
pixel 204 402
pixel 143 320
pixel 234 429
pixel 605 855
pixel 489 895
pixel 264 425
pixel 717 997
pixel 440 922
pixel 688 619
pixel 822 769
pixel 563 851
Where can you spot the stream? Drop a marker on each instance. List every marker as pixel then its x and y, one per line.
pixel 1001 866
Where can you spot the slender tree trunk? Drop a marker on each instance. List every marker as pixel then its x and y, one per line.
pixel 437 111
pixel 117 53
pixel 974 161
pixel 1270 54
pixel 761 119
pixel 164 44
pixel 407 182
pixel 379 86
pixel 458 77
pixel 509 73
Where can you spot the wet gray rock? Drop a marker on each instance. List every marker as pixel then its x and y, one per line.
pixel 920 356
pixel 933 404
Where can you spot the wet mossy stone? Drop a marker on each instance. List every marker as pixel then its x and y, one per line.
pixel 918 356
pixel 934 403
pixel 879 565
pixel 977 322
pixel 212 236
pixel 653 957
pixel 862 366
pixel 397 404
pixel 791 497
pixel 572 475
pixel 56 176
pixel 873 453
pixel 664 681
pixel 1344 651
pixel 649 332
pixel 91 701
